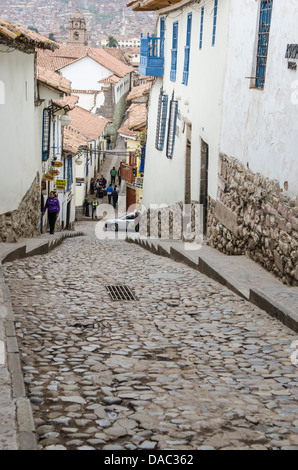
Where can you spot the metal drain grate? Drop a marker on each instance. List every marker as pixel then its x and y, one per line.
pixel 121 293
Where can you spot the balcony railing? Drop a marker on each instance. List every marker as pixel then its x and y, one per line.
pixel 127 172
pixel 152 56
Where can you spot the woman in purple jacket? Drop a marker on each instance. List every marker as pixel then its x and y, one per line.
pixel 53 207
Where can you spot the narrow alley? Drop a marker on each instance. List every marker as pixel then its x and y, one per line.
pixel 188 365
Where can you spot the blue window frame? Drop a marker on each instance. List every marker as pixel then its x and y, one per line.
pixel 46 134
pixel 161 120
pixel 214 21
pixel 174 52
pixel 142 162
pixel 263 41
pixel 162 35
pixel 202 27
pixel 187 50
pixel 69 172
pixel 87 163
pixel 172 127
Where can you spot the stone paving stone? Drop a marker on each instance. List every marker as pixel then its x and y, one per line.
pixel 189 366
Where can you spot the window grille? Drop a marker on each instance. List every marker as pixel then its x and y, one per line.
pixel 69 172
pixel 46 134
pixel 142 162
pixel 202 27
pixel 172 127
pixel 214 21
pixel 187 50
pixel 263 41
pixel 161 120
pixel 162 35
pixel 174 52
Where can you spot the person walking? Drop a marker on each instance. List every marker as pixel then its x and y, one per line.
pixel 94 206
pixel 113 174
pixel 119 176
pixel 115 197
pixel 86 206
pixel 53 207
pixel 109 193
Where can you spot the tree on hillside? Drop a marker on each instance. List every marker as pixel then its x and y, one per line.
pixel 33 28
pixel 112 42
pixel 52 37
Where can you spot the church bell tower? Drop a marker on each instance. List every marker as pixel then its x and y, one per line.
pixel 77 30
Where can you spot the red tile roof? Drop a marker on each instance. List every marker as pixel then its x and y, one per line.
pixel 72 140
pixel 69 101
pixel 90 125
pixel 22 38
pixel 53 80
pixel 139 91
pixel 67 54
pixel 136 120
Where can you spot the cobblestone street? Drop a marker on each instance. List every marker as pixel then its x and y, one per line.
pixel 190 365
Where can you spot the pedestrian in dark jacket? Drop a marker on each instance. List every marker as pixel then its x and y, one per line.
pixel 53 207
pixel 115 197
pixel 86 205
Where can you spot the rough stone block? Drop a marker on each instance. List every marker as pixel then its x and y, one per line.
pixel 227 217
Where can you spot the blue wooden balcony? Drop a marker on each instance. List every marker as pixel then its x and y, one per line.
pixel 152 56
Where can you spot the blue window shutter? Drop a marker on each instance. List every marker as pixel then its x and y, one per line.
pixel 214 21
pixel 263 41
pixel 172 127
pixel 161 120
pixel 142 163
pixel 71 170
pixel 202 27
pixel 174 52
pixel 187 50
pixel 46 134
pixel 162 35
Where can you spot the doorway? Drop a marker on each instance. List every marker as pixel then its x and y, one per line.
pixel 68 215
pixel 204 183
pixel 187 192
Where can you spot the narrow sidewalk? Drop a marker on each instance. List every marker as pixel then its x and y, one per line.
pixel 240 274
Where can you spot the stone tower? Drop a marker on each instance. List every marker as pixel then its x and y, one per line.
pixel 77 30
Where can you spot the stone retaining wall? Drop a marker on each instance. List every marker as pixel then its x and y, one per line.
pixel 24 222
pixel 254 216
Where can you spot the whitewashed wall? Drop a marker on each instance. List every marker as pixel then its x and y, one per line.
pixel 19 159
pixel 200 102
pixel 85 73
pixel 260 127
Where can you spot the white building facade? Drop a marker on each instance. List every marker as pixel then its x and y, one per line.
pixel 22 109
pixel 256 209
pixel 186 103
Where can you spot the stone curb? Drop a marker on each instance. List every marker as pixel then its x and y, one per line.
pixel 25 428
pixel 204 266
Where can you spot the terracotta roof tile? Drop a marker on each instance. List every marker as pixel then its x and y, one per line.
pixel 22 38
pixel 53 80
pixel 66 55
pixel 90 125
pixel 72 140
pixel 136 120
pixel 67 100
pixel 139 91
pixel 110 79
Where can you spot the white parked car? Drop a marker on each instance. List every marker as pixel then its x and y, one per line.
pixel 129 222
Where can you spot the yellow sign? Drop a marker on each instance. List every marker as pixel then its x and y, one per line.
pixel 57 164
pixel 48 177
pixel 60 183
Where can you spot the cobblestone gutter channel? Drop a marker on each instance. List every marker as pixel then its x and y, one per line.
pixel 190 365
